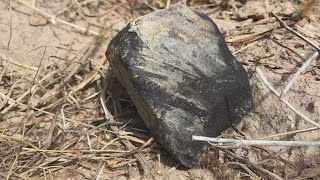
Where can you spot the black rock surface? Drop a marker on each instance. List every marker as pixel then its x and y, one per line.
pixel 181 76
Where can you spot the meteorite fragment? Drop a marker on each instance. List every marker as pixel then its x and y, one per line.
pixel 181 76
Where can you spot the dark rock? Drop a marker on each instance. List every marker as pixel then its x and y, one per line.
pixel 181 76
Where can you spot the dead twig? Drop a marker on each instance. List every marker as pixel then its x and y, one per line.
pixel 170 171
pixel 247 142
pixel 295 32
pixel 290 133
pixel 296 75
pixel 251 174
pixel 168 4
pixel 48 141
pixel 73 151
pixel 37 72
pixel 266 82
pixel 249 37
pixel 145 166
pixel 10 27
pixel 11 168
pixel 259 169
pixel 113 8
pixel 72 69
pixel 42 111
pixel 15 62
pixel 123 163
pixel 54 19
pixel 6 100
pixel 137 150
pixel 100 172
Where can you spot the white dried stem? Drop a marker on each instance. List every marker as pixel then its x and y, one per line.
pixel 266 82
pixel 92 96
pixel 63 118
pixel 100 172
pixel 300 70
pixel 242 142
pixel 89 142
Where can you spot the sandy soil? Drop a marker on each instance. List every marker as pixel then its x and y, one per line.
pixel 39 51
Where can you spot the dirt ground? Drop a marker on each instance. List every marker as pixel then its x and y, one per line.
pixel 52 124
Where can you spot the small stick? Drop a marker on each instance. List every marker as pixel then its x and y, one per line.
pixel 246 47
pixel 73 151
pixel 63 117
pixel 123 163
pixel 84 133
pixel 266 82
pixel 291 132
pixel 106 12
pixel 42 111
pixel 22 140
pixel 14 62
pixel 53 18
pixel 91 96
pixel 256 167
pixel 103 124
pixel 170 171
pixel 22 96
pixel 246 142
pixel 145 166
pixel 296 75
pixel 6 100
pixel 168 4
pixel 35 76
pixel 48 141
pixel 2 73
pixel 100 172
pixel 10 27
pixel 137 150
pixel 295 32
pixel 251 174
pixel 89 142
pixel 71 70
pixel 11 168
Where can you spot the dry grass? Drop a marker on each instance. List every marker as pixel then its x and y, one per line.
pixel 53 122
